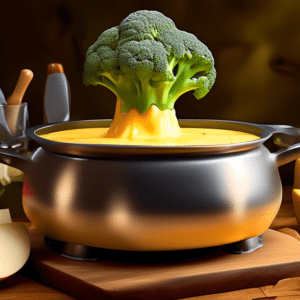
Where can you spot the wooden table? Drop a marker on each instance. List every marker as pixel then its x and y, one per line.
pixel 20 287
pixel 24 285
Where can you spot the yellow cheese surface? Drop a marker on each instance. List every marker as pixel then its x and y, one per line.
pixel 189 136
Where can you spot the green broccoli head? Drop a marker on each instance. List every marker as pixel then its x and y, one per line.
pixel 146 60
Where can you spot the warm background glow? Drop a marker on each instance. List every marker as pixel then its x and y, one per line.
pixel 256 45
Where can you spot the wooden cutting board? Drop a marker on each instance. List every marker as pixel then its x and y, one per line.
pixel 167 275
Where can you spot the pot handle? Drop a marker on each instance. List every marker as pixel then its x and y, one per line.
pixel 290 134
pixel 9 153
pixel 283 129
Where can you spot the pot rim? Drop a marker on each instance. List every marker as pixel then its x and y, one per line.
pixel 102 150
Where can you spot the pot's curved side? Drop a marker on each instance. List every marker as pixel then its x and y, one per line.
pixel 153 204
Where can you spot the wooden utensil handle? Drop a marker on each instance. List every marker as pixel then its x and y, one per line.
pixel 19 91
pixel 54 68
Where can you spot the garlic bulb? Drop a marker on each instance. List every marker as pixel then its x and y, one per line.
pixel 14 245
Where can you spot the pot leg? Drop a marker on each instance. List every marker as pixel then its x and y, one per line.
pixel 74 251
pixel 245 246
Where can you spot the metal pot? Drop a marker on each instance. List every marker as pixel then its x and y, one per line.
pixel 149 197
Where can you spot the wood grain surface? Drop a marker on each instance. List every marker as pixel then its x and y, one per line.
pixel 246 294
pixel 171 276
pixel 20 287
pixel 285 289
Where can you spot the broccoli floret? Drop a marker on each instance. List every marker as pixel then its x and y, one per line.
pixel 146 60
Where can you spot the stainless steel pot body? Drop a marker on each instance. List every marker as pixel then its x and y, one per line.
pixel 164 202
pixel 153 204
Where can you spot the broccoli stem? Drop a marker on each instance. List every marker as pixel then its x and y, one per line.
pixel 184 81
pixel 146 107
pixel 142 92
pixel 105 81
pixel 137 92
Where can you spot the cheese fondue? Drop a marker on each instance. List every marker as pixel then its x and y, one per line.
pixel 189 136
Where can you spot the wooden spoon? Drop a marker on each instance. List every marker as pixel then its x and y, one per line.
pixel 21 87
pixel 15 100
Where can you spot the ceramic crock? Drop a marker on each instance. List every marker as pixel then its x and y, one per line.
pixel 150 198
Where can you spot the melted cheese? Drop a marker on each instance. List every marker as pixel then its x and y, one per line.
pixel 154 127
pixel 189 136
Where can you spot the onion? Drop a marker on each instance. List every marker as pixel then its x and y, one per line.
pixel 14 245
